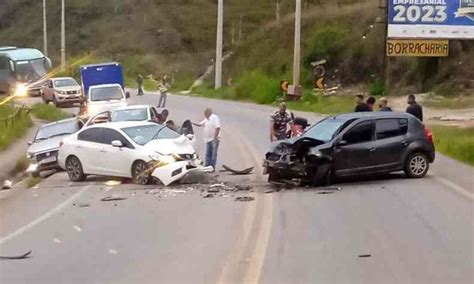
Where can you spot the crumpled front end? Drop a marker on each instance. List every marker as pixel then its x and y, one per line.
pixel 168 173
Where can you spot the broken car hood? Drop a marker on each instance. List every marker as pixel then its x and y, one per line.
pixel 46 145
pixel 180 145
pixel 297 145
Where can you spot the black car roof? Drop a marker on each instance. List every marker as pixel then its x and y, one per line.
pixel 372 115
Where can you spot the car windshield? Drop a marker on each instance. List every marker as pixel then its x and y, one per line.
pixel 65 83
pixel 106 93
pixel 32 70
pixel 145 133
pixel 62 128
pixel 325 130
pixel 139 114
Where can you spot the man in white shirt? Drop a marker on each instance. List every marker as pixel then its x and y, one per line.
pixel 212 129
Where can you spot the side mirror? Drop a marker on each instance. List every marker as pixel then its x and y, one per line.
pixel 30 143
pixel 342 143
pixel 117 143
pixel 48 64
pixel 127 95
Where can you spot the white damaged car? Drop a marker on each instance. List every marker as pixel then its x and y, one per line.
pixel 137 150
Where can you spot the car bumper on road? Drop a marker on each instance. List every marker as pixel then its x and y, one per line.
pixel 286 170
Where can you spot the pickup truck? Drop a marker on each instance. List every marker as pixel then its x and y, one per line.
pixel 103 86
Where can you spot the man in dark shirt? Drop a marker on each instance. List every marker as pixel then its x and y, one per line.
pixel 279 122
pixel 361 105
pixel 371 103
pixel 413 108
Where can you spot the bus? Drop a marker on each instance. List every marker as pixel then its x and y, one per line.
pixel 22 67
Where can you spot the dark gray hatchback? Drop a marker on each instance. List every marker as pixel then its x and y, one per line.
pixel 351 145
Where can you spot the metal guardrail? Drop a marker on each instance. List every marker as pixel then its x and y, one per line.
pixel 13 118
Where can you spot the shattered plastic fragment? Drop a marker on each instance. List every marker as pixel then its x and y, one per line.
pixel 209 195
pixel 365 255
pixel 269 191
pixel 56 240
pixel 112 251
pixel 246 171
pixel 244 198
pixel 7 184
pixel 77 228
pixel 325 192
pixel 112 182
pixel 22 256
pixel 113 198
pixel 243 187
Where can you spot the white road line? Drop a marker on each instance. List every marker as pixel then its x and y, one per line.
pixel 459 189
pixel 44 217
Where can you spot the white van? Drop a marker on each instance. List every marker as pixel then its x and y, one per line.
pixel 107 97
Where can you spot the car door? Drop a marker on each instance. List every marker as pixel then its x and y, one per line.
pixel 353 153
pixel 88 149
pixel 154 114
pixel 118 160
pixel 390 142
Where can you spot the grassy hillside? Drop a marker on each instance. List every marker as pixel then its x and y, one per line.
pixel 156 36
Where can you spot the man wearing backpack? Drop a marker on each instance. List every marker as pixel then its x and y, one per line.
pixel 279 123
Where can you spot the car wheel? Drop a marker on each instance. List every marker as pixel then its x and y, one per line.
pixel 74 169
pixel 417 165
pixel 323 176
pixel 272 175
pixel 56 103
pixel 140 173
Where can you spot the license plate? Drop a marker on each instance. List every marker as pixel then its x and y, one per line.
pixel 48 160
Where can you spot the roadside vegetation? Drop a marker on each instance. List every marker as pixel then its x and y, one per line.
pixel 32 181
pixel 48 112
pixel 455 142
pixel 13 129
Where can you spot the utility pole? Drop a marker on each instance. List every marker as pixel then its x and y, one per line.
pixel 220 31
pixel 63 35
pixel 45 30
pixel 277 10
pixel 297 48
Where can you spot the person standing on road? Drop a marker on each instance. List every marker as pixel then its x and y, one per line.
pixel 414 108
pixel 371 103
pixel 140 84
pixel 163 88
pixel 212 130
pixel 383 104
pixel 361 105
pixel 279 123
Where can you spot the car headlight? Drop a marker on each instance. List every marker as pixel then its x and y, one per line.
pixel 164 159
pixel 21 90
pixel 61 92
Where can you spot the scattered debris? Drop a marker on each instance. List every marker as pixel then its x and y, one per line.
pixel 209 195
pixel 246 171
pixel 244 198
pixel 216 185
pixel 365 255
pixel 112 182
pixel 112 251
pixel 56 240
pixel 7 184
pixel 270 191
pixel 108 188
pixel 243 187
pixel 77 228
pixel 325 192
pixel 23 256
pixel 152 192
pixel 178 191
pixel 81 205
pixel 213 190
pixel 113 198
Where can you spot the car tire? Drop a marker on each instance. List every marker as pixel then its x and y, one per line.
pixel 56 103
pixel 74 169
pixel 325 179
pixel 140 174
pixel 273 175
pixel 417 165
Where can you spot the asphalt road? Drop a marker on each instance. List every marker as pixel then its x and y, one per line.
pixel 374 231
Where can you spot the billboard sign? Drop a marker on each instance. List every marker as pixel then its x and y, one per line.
pixel 436 19
pixel 418 47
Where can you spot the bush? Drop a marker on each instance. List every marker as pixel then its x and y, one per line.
pixel 11 131
pixel 257 87
pixel 455 142
pixel 378 89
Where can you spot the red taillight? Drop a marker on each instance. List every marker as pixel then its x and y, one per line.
pixel 429 135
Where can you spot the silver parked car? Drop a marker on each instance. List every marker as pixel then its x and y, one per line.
pixel 43 150
pixel 62 91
